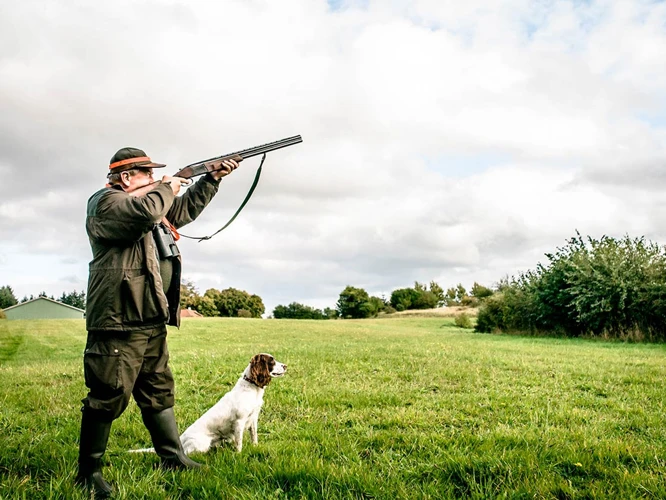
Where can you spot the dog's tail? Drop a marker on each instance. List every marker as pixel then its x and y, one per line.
pixel 143 450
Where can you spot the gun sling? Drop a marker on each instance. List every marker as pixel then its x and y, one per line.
pixel 247 197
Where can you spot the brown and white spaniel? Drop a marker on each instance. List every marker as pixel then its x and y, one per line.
pixel 237 411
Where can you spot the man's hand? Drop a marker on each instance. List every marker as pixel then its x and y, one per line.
pixel 175 183
pixel 228 166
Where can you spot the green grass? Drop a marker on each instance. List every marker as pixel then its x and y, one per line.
pixel 389 408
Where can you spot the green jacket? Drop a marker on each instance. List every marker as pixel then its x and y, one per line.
pixel 124 286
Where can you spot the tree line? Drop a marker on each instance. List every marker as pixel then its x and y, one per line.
pixel 229 302
pixel 608 287
pixel 73 298
pixel 355 302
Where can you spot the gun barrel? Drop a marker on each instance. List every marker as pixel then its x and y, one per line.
pixel 257 150
pixel 271 146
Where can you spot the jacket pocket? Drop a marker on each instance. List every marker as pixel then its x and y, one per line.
pixel 139 304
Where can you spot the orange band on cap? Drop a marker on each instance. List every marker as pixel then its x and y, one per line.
pixel 128 161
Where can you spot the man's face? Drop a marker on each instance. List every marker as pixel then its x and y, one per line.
pixel 141 178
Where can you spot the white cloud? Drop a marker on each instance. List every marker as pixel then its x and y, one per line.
pixel 442 140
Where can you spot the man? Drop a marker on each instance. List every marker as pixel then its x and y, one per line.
pixel 133 293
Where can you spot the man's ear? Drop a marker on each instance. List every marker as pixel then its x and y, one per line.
pixel 125 179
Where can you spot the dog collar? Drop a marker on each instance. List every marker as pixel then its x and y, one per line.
pixel 250 381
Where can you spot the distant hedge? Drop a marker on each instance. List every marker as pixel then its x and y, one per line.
pixel 611 288
pixel 296 310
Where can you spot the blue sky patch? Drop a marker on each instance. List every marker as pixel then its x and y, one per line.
pixel 464 165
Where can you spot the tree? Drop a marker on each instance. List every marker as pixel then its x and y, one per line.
pixel 438 292
pixel 480 291
pixel 353 303
pixel 450 298
pixel 74 299
pixel 455 296
pixel 425 300
pixel 461 293
pixel 403 298
pixel 229 301
pixel 297 311
pixel 418 297
pixel 189 297
pixel 7 298
pixel 205 305
pixel 330 313
pixel 281 312
pixel 257 307
pixel 374 306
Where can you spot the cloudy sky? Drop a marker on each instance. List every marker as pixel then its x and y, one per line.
pixel 443 140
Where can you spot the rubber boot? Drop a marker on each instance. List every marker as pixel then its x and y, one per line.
pixel 92 445
pixel 166 439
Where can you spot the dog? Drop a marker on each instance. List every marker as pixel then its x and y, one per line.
pixel 236 412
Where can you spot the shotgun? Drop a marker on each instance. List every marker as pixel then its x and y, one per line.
pixel 164 233
pixel 213 164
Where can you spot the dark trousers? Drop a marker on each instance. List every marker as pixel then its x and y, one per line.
pixel 120 364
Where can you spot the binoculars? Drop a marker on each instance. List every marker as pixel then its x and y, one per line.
pixel 166 245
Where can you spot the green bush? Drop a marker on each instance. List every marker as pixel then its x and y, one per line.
pixel 403 298
pixel 490 317
pixel 468 301
pixel 297 311
pixel 330 313
pixel 607 288
pixel 230 300
pixel 512 307
pixel 480 292
pixel 463 320
pixel 418 297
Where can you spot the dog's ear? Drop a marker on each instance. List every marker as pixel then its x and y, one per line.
pixel 260 370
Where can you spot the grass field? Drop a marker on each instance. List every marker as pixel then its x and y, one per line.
pixel 399 408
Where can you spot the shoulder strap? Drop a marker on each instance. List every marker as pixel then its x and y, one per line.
pixel 247 198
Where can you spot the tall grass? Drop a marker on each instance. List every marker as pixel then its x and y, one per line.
pixel 387 408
